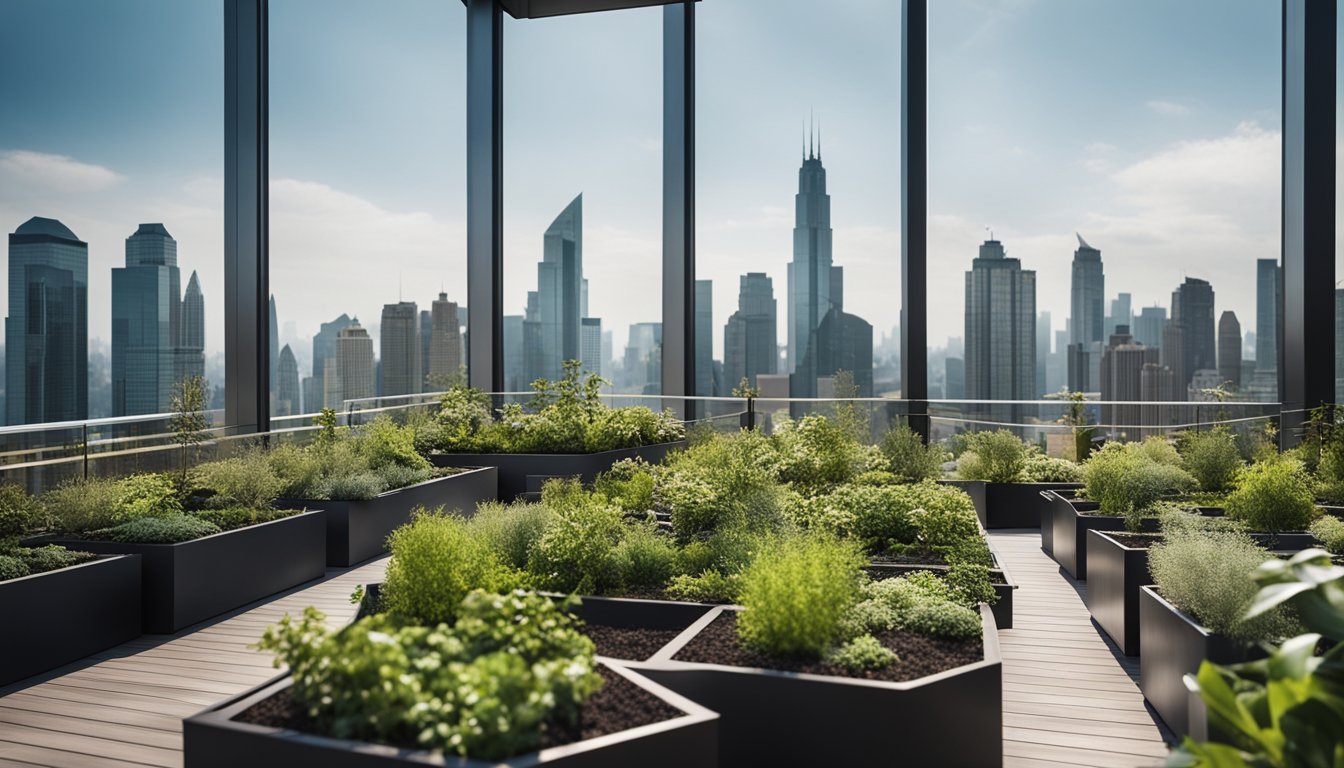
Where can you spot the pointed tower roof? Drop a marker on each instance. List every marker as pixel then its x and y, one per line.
pixel 193 284
pixel 1083 243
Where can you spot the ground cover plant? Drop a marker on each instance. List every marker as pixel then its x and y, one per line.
pixel 1130 479
pixel 1000 457
pixel 564 416
pixel 20 515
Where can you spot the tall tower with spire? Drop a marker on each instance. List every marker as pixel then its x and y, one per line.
pixel 551 327
pixel 810 272
pixel 1087 319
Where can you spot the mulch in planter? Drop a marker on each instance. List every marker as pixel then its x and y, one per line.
pixel 617 706
pixel 630 643
pixel 920 655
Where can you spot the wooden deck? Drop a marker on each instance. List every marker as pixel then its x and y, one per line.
pixel 1069 698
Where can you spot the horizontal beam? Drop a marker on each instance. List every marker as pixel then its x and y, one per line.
pixel 539 9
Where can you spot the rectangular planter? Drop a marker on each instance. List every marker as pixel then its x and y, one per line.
pixel 1010 505
pixel 1071 527
pixel 1115 574
pixel 1004 586
pixel 212 739
pixel 1047 521
pixel 358 530
pixel 521 473
pixel 770 717
pixel 61 616
pixel 182 584
pixel 1177 645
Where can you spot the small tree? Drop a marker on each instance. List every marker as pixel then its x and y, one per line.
pixel 188 423
pixel 1075 417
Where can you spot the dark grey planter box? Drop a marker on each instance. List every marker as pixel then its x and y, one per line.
pixel 61 616
pixel 212 739
pixel 182 584
pixel 1177 645
pixel 521 473
pixel 1116 571
pixel 784 718
pixel 1071 527
pixel 1004 586
pixel 358 530
pixel 1010 505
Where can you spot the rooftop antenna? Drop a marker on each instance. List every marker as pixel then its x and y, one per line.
pixel 810 132
pixel 818 139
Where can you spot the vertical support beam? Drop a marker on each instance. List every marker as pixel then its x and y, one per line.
pixel 679 201
pixel 485 195
pixel 1306 363
pixel 914 212
pixel 246 230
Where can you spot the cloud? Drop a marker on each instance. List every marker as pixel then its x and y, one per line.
pixel 24 170
pixel 1169 108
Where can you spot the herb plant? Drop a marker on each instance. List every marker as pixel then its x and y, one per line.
pixel 1211 457
pixel 796 592
pixel 996 457
pixel 1272 496
pixel 909 459
pixel 435 562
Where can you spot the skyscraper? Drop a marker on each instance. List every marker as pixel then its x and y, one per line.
pixel 191 341
pixel 1148 326
pixel 551 327
pixel 399 340
pixel 810 272
pixel 47 330
pixel 1192 309
pixel 1122 313
pixel 146 323
pixel 590 344
pixel 1267 277
pixel 515 373
pixel 1229 350
pixel 750 337
pixel 444 357
pixel 353 365
pixel 1122 367
pixel 317 392
pixel 1087 312
pixel 643 358
pixel 704 338
pixel 1000 327
pixel 287 401
pixel 1042 351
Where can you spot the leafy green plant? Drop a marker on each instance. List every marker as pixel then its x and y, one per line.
pixel 1330 531
pixel 435 563
pixel 82 505
pixel 577 551
pixel 796 592
pixel 383 442
pixel 12 567
pixel 969 584
pixel 231 518
pixel 167 529
pixel 909 459
pixel 188 400
pixel 1284 711
pixel 19 514
pixel 645 557
pixel 483 687
pixel 246 480
pixel 511 530
pixel 1273 496
pixel 816 452
pixel 1208 574
pixel 1129 479
pixel 50 557
pixel 709 586
pixel 1212 457
pixel 146 495
pixel 1040 468
pixel 996 457
pixel 864 652
pixel 628 484
pixel 723 483
pixel 918 602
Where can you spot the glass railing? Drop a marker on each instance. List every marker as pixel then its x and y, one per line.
pixel 41 456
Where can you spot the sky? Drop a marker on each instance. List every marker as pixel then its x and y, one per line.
pixel 1151 127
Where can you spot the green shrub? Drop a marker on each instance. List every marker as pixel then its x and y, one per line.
pixel 795 593
pixel 12 567
pixel 577 551
pixel 1040 468
pixel 511 530
pixel 918 602
pixel 721 483
pixel 614 428
pixel 1330 530
pixel 484 687
pixel 385 442
pixel 909 459
pixel 873 515
pixel 969 584
pixel 1272 496
pixel 995 457
pixel 944 518
pixel 169 529
pixel 81 505
pixel 232 518
pixel 1173 517
pixel 360 486
pixel 1126 480
pixel 435 563
pixel 50 558
pixel 19 514
pixel 1211 457
pixel 300 470
pixel 1158 450
pixel 646 557
pixel 943 619
pixel 709 586
pixel 395 476
pixel 146 495
pixel 246 480
pixel 1208 574
pixel 864 652
pixel 463 414
pixel 628 484
pixel 816 452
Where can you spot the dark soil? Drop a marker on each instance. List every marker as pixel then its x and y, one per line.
pixel 909 558
pixel 1136 540
pixel 618 705
pixel 920 655
pixel 629 643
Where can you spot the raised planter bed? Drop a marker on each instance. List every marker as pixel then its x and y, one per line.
pixel 1116 571
pixel 1179 644
pixel 1003 583
pixel 1010 505
pixel 521 473
pixel 1071 524
pixel 358 530
pixel 770 717
pixel 182 584
pixel 60 616
pixel 215 739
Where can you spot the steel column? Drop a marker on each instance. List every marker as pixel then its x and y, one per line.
pixel 485 196
pixel 679 202
pixel 914 212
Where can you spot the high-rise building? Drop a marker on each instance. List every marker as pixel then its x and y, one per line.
pixel 1192 309
pixel 1268 275
pixel 551 327
pixel 318 393
pixel 399 340
pixel 704 338
pixel 287 399
pixel 1042 351
pixel 1121 374
pixel 750 337
pixel 515 375
pixel 191 340
pixel 47 330
pixel 590 344
pixel 353 364
pixel 1087 314
pixel 1174 359
pixel 810 291
pixel 443 343
pixel 1000 327
pixel 954 378
pixel 1057 368
pixel 147 324
pixel 643 365
pixel 1148 326
pixel 1229 350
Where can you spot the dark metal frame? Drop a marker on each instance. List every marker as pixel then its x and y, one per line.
pixel 1307 299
